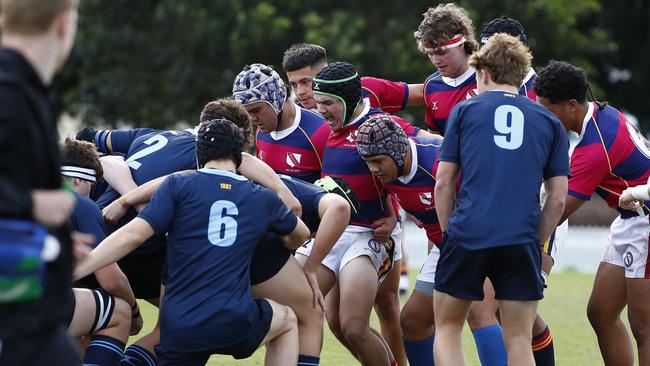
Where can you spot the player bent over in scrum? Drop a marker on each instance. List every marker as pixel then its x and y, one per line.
pixel 103 309
pixel 211 237
pixel 610 156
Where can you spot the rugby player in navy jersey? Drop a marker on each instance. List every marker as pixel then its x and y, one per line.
pixel 213 218
pixel 153 153
pixel 274 272
pixel 493 226
pixel 542 344
pixel 103 301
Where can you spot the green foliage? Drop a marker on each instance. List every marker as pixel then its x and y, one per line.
pixel 156 62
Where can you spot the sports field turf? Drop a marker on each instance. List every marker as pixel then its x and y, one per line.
pixel 563 309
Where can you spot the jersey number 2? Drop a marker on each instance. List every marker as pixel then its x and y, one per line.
pixel 222 229
pixel 155 143
pixel 509 123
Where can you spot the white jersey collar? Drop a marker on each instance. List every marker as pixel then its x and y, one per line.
pixel 414 164
pixel 459 80
pixel 279 135
pixel 588 116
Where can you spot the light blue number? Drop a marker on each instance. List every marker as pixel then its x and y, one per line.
pixel 155 143
pixel 509 122
pixel 222 229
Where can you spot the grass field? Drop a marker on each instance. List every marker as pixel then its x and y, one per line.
pixel 563 309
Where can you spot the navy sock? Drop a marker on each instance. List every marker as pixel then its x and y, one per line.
pixel 490 346
pixel 419 353
pixel 103 350
pixel 308 360
pixel 543 349
pixel 135 355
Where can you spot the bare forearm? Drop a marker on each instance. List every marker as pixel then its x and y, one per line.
pixel 115 247
pixel 551 214
pixel 298 237
pixel 113 280
pixel 445 203
pixel 332 225
pixel 256 170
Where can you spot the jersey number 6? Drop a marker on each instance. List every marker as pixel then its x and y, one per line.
pixel 222 229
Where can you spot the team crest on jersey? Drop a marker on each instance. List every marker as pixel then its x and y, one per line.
pixel 471 93
pixel 352 137
pixel 293 159
pixel 434 105
pixel 425 198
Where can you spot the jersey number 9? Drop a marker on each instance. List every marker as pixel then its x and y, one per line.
pixel 509 123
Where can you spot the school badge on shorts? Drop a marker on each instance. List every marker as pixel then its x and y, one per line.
pixel 628 259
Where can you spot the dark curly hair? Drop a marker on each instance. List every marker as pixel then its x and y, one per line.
pixel 82 154
pixel 231 110
pixel 560 81
pixel 302 55
pixel 442 23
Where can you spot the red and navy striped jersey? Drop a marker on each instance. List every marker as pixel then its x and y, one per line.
pixel 441 94
pixel 341 159
pixel 610 156
pixel 298 150
pixel 415 191
pixel 527 87
pixel 389 96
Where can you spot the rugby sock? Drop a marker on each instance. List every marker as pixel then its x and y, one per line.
pixel 419 353
pixel 543 348
pixel 103 350
pixel 308 360
pixel 490 346
pixel 135 355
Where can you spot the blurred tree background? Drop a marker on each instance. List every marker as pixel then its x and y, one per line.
pixel 156 62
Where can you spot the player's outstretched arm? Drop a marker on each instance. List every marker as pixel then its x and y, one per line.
pixel 445 191
pixel 554 206
pixel 117 173
pixel 297 237
pixel 257 170
pixel 334 212
pixel 115 247
pixel 416 95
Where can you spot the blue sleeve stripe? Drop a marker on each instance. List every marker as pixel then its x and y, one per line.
pixel 579 195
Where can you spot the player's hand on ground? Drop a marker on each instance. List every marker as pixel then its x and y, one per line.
pixel 291 201
pixel 384 227
pixel 318 299
pixel 82 244
pixel 52 207
pixel 114 212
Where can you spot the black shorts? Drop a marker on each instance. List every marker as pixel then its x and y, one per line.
pixel 268 259
pixel 515 271
pixel 50 348
pixel 240 350
pixel 144 267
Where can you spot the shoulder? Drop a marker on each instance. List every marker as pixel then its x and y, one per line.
pixel 13 101
pixel 86 206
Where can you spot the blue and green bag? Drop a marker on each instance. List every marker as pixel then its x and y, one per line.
pixel 22 269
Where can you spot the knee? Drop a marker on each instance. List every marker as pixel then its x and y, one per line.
pixel 410 323
pixel 387 304
pixel 354 331
pixel 289 318
pixel 480 317
pixel 121 317
pixel 595 315
pixel 308 314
